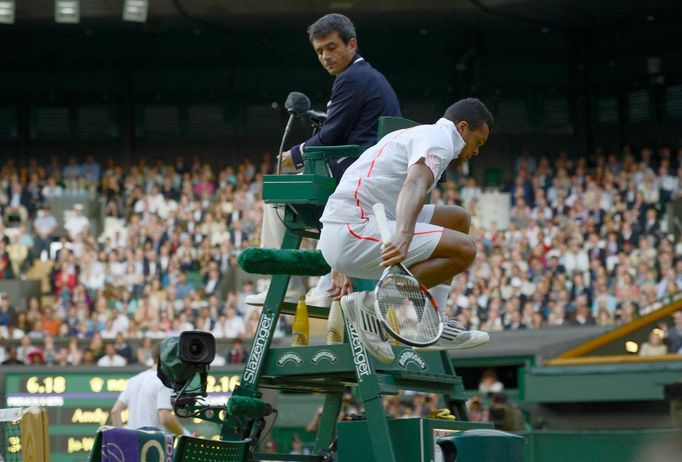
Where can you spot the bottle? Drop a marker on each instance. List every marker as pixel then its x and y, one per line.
pixel 301 325
pixel 335 324
pixel 392 320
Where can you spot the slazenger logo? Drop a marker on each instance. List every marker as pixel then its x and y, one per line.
pixel 258 349
pixel 409 356
pixel 324 354
pixel 286 357
pixel 359 354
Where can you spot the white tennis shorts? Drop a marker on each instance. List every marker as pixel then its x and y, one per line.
pixel 354 249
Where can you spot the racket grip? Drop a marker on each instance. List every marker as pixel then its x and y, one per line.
pixel 382 221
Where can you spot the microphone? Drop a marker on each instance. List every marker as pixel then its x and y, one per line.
pixel 297 103
pixel 316 116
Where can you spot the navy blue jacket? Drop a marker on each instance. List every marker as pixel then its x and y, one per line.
pixel 360 95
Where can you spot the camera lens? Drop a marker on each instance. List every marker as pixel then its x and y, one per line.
pixel 196 349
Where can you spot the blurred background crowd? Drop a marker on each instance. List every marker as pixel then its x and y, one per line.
pixel 585 245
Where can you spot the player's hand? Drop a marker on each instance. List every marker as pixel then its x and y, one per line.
pixel 395 251
pixel 340 285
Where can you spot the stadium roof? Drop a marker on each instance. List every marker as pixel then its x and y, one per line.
pixel 571 14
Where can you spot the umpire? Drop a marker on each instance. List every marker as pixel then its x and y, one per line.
pixel 360 94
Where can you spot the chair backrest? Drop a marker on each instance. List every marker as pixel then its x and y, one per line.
pixel 388 124
pixel 190 449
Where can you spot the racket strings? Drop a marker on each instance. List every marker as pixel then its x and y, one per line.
pixel 406 309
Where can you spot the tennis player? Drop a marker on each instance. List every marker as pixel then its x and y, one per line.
pixel 432 241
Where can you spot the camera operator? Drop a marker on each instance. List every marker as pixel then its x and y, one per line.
pixel 148 401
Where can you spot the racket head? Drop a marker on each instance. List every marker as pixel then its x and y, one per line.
pixel 406 309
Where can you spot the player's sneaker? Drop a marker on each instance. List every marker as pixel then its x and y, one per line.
pixel 456 337
pixel 358 308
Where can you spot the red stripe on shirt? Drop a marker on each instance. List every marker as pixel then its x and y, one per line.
pixel 369 172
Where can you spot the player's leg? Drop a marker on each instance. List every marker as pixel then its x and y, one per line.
pixel 448 243
pixel 453 254
pixel 355 251
pixel 451 217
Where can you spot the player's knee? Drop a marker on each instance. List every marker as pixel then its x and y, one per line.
pixel 469 251
pixel 466 222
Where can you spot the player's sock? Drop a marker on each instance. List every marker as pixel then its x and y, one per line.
pixel 440 293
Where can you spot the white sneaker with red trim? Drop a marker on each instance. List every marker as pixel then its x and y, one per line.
pixel 456 337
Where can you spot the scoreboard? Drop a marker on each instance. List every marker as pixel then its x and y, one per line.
pixel 79 401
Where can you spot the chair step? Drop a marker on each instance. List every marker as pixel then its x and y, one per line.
pixel 327 368
pixel 318 312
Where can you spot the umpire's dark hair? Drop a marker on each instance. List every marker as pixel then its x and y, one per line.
pixel 472 111
pixel 330 23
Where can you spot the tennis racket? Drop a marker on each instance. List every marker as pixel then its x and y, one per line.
pixel 404 305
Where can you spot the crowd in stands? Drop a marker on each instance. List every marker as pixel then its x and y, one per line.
pixel 585 245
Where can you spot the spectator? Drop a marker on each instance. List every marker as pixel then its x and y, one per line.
pixel 673 335
pixel 5 268
pixel 88 358
pixel 8 314
pixel 489 382
pixel 111 358
pixel 237 353
pixel 575 259
pixel 297 446
pixel 90 170
pixel 18 205
pixel 183 288
pixel 12 358
pixel 52 190
pixel 25 347
pixel 144 352
pixel 122 348
pixel 76 224
pixel 470 192
pixel 654 347
pixel 229 325
pixel 96 345
pixel 583 316
pixel 51 323
pixel 18 256
pixel 50 350
pixel 74 353
pixel 477 412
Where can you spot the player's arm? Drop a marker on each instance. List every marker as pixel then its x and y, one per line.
pixel 116 411
pixel 410 202
pixel 171 422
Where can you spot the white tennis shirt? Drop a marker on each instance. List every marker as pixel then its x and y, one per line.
pixel 144 396
pixel 379 173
